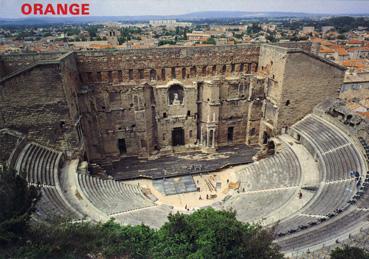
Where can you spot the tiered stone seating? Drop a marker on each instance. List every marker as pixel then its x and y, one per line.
pixel 332 199
pixel 278 171
pixel 41 167
pixel 357 239
pixel 154 217
pixel 366 147
pixel 255 206
pixel 340 171
pixel 297 222
pixel 327 137
pixel 111 196
pixel 323 232
pixel 336 154
pixel 333 196
pixel 40 164
pixel 52 207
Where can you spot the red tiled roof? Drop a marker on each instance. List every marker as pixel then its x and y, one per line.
pixel 364 114
pixel 355 41
pixel 326 50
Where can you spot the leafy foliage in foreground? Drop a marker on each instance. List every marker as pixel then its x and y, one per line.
pixel 204 234
pixel 17 201
pixel 212 234
pixel 349 253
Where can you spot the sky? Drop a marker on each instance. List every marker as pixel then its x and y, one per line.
pixel 11 8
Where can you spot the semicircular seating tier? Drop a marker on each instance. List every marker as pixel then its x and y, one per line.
pixel 112 197
pixel 335 151
pixel 41 167
pixel 337 156
pixel 278 171
pixel 266 185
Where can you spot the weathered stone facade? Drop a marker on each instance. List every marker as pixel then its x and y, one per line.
pixel 112 104
pixel 170 99
pixel 41 101
pixel 297 82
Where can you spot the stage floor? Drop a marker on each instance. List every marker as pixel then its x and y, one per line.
pixel 181 164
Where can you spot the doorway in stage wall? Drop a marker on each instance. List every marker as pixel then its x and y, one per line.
pixel 230 134
pixel 178 137
pixel 122 146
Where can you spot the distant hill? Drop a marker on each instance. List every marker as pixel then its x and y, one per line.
pixel 197 16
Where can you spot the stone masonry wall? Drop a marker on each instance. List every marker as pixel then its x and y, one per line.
pixel 112 104
pixel 165 64
pixel 14 62
pixel 34 103
pixel 308 81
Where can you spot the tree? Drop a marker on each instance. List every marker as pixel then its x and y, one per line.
pixel 211 40
pixel 271 38
pixel 341 37
pixel 92 30
pixel 166 42
pixel 206 233
pixel 349 253
pixel 213 234
pixel 17 201
pixel 254 28
pixel 87 239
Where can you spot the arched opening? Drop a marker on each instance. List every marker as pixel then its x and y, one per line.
pixel 175 94
pixel 288 102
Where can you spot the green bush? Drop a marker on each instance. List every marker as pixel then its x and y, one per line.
pixel 349 253
pixel 204 234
